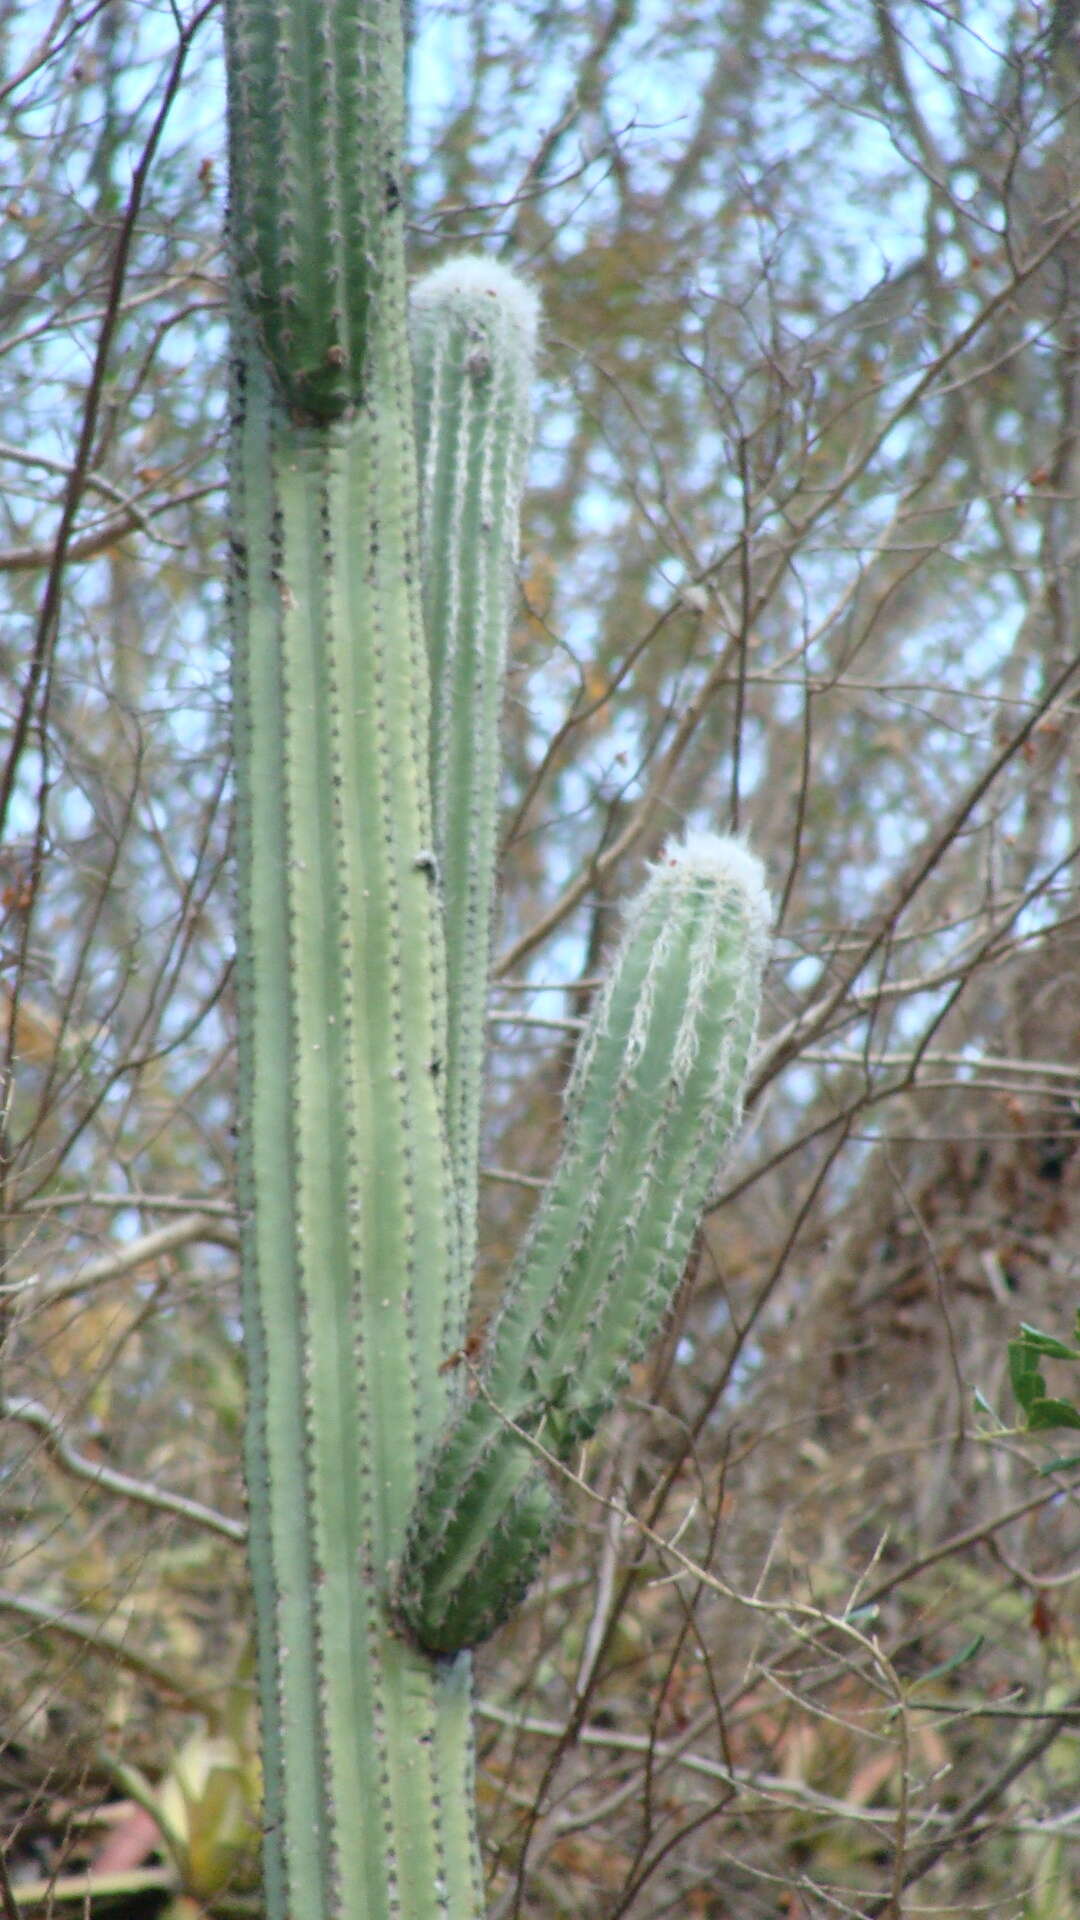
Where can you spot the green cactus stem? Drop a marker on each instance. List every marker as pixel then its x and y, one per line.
pixel 654 1101
pixel 351 1269
pixel 315 138
pixel 473 326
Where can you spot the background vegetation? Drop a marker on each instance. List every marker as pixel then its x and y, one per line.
pixel 801 556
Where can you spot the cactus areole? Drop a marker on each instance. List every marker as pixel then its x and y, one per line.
pixel 398 1516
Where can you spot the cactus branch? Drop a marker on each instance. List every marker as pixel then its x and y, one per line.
pixel 652 1105
pixel 473 335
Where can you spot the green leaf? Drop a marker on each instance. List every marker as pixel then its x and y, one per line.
pixel 958 1660
pixel 1062 1463
pixel 1043 1413
pixel 1027 1382
pixel 1046 1344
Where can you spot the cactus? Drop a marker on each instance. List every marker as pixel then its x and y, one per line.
pixel 366 788
pixel 351 1270
pixel 654 1099
pixel 473 330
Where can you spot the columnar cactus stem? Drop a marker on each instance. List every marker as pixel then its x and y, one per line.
pixel 352 1275
pixel 653 1102
pixel 473 333
pixel 350 1258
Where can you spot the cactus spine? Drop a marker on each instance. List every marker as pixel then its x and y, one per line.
pixel 653 1101
pixel 366 784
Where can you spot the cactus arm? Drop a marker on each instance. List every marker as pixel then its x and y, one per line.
pixel 655 1101
pixel 351 1267
pixel 473 330
pixel 485 1518
pixel 652 1104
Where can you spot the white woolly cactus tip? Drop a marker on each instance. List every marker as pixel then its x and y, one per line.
pixel 720 858
pixel 470 281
